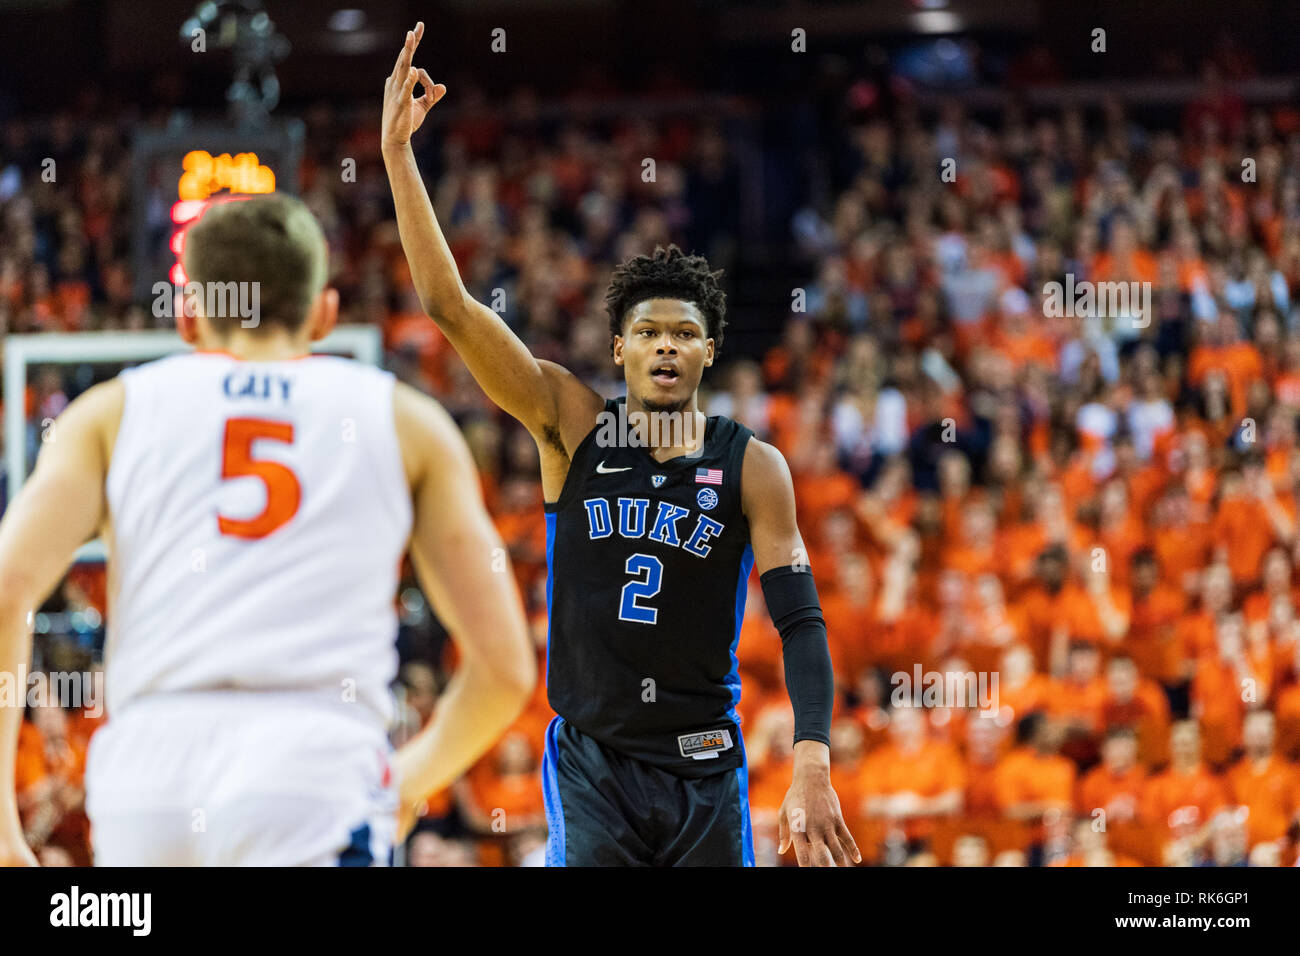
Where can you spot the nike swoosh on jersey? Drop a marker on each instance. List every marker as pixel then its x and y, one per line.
pixel 602 470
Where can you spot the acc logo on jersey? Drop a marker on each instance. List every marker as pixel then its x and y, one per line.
pixel 707 499
pixel 658 480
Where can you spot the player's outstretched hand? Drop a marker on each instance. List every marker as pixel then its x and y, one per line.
pixel 403 111
pixel 811 819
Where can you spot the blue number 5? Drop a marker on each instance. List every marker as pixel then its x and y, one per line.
pixel 642 587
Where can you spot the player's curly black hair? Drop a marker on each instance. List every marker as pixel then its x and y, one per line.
pixel 667 274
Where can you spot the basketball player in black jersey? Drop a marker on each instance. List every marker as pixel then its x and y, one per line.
pixel 655 518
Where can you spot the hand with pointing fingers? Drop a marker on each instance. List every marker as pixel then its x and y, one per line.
pixel 403 111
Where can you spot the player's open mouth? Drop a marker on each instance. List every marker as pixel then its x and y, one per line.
pixel 665 375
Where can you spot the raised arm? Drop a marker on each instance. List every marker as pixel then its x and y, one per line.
pixel 553 405
pixel 463 568
pixel 59 508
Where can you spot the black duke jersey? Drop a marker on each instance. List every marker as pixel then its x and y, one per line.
pixel 648 565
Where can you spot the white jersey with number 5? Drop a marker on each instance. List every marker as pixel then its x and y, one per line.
pixel 259 514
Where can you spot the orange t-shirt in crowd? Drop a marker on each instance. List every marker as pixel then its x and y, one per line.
pixel 1079 613
pixel 34 762
pixel 759 652
pixel 1202 484
pixel 1271 792
pixel 1075 860
pixel 1287 713
pixel 1257 604
pixel 1140 266
pixel 1042 613
pixel 971 560
pixel 524 533
pixel 932 769
pixel 1243 528
pixel 850 629
pixel 1193 641
pixel 1217 691
pixel 782 418
pixel 817 495
pixel 1277 465
pixel 518 794
pixel 1033 695
pixel 1152 623
pixel 953 508
pixel 825 562
pixel 769 784
pixel 1076 480
pixel 1148 714
pixel 30 766
pixel 1145 485
pixel 885 520
pixel 439 805
pixel 908 639
pixel 1026 776
pixel 1239 362
pixel 1018 548
pixel 981 790
pixel 1121 541
pixel 1283 649
pixel 1030 346
pixel 1181 551
pixel 1198 795
pixel 413 331
pixel 990 629
pixel 1119 795
pixel 1078 703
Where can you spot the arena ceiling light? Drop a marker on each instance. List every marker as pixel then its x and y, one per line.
pixel 937 21
pixel 346 20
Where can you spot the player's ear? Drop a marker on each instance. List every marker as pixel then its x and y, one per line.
pixel 708 353
pixel 324 314
pixel 187 322
pixel 618 350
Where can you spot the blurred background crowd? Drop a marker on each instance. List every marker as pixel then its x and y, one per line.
pixel 1095 513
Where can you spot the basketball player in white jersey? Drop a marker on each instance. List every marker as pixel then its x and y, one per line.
pixel 256 502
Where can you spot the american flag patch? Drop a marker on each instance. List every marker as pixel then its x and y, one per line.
pixel 708 476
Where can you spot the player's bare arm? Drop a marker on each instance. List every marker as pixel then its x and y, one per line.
pixel 463 568
pixel 59 508
pixel 810 816
pixel 556 408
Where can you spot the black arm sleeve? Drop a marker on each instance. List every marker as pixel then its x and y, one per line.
pixel 797 613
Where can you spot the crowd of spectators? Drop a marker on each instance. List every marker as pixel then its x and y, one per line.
pixel 1093 515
